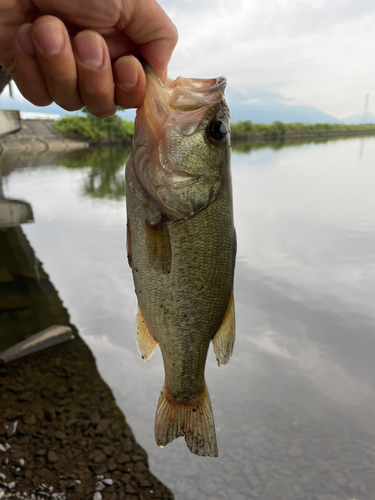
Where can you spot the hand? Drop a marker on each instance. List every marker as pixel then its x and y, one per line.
pixel 81 52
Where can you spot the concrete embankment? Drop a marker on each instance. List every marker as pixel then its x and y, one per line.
pixel 38 135
pixel 10 121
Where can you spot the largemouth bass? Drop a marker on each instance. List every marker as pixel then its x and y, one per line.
pixel 181 246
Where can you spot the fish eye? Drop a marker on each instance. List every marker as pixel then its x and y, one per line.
pixel 217 131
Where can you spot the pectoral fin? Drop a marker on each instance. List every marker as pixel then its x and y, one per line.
pixel 158 244
pixel 145 341
pixel 223 340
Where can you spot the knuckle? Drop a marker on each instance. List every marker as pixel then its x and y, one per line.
pixel 174 36
pixel 97 91
pixel 59 80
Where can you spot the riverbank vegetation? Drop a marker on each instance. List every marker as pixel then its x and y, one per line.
pixel 117 130
pixel 90 129
pixel 249 130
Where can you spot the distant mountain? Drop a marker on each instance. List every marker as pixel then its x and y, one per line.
pixel 259 107
pixel 357 119
pixel 264 107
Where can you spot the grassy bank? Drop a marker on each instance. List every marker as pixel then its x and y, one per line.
pixel 116 130
pixel 90 129
pixel 248 130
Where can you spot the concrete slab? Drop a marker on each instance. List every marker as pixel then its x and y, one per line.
pixel 10 121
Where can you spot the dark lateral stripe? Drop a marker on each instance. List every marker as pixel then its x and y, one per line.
pixel 50 337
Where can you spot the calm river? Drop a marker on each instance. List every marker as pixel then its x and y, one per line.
pixel 295 407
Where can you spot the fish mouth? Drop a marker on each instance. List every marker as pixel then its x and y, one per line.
pixel 189 94
pixel 181 102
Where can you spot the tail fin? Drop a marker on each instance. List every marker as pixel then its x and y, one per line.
pixel 193 419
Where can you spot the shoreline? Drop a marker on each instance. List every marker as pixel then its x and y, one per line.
pixel 39 136
pixel 307 135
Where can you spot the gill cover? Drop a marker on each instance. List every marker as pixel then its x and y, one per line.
pixel 175 162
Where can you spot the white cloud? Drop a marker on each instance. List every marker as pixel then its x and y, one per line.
pixel 317 52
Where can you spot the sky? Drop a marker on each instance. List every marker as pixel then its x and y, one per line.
pixel 319 53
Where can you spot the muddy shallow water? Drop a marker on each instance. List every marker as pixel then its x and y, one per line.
pixel 295 407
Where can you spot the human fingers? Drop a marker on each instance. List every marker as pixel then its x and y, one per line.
pixel 95 77
pixel 27 73
pixel 130 82
pixel 149 27
pixel 57 62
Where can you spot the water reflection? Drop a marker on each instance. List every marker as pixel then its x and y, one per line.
pixel 105 177
pixel 295 407
pixel 61 433
pixel 248 146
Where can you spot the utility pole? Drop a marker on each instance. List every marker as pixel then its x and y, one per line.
pixel 367 101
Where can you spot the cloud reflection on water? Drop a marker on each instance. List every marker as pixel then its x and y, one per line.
pixel 301 379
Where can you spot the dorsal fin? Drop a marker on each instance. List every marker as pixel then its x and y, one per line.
pixel 145 341
pixel 223 340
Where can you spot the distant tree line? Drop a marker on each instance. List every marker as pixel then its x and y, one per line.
pixel 247 129
pixel 116 130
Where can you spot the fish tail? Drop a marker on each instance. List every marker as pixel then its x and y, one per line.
pixel 192 419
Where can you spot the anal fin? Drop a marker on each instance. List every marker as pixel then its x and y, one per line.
pixel 145 341
pixel 192 419
pixel 223 340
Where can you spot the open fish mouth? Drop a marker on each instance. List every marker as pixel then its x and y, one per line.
pixel 189 94
pixel 182 101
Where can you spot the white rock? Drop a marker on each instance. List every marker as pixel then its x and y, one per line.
pixel 99 486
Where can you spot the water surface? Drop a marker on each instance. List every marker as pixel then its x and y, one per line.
pixel 295 407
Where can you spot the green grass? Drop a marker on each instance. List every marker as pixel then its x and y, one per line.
pixel 114 129
pixel 93 130
pixel 248 129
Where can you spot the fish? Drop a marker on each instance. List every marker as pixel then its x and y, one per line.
pixel 181 246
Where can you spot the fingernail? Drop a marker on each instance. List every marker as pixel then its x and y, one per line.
pixel 25 40
pixel 126 72
pixel 89 49
pixel 50 37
